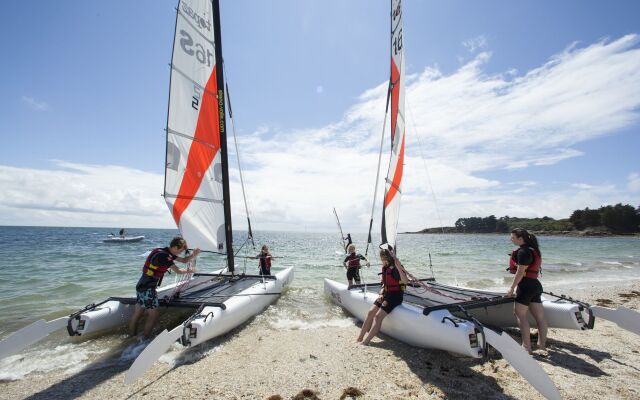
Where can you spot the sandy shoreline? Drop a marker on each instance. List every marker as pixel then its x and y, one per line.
pixel 256 363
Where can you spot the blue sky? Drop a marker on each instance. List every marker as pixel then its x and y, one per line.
pixel 515 108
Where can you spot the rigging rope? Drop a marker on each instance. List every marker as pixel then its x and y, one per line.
pixel 183 280
pixel 235 142
pixel 424 163
pixel 375 191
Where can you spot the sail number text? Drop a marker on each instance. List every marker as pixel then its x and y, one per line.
pixel 204 56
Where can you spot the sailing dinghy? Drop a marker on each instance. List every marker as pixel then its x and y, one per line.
pixel 415 322
pixel 197 194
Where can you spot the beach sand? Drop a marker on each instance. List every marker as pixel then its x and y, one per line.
pixel 258 363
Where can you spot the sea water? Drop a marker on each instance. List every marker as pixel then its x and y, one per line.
pixel 51 272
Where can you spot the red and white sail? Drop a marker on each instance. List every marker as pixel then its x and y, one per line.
pixel 193 175
pixel 393 192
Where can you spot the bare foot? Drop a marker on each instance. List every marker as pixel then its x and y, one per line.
pixel 527 350
pixel 541 353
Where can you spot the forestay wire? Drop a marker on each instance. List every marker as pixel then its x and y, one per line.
pixel 235 142
pixel 424 163
pixel 375 191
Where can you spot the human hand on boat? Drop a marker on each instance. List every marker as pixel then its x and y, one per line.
pixel 510 292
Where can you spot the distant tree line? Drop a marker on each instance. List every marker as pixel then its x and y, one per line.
pixel 617 219
pixel 613 219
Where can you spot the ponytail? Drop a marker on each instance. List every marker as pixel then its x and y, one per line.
pixel 529 238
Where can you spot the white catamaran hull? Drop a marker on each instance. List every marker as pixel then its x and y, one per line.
pixel 215 321
pixel 438 330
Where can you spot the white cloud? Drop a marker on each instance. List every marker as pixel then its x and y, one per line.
pixel 82 195
pixel 460 126
pixel 634 182
pixel 35 104
pixel 583 186
pixel 466 123
pixel 477 43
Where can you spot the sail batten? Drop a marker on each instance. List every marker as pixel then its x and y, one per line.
pixel 393 181
pixel 194 181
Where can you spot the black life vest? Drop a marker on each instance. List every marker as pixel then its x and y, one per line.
pixel 533 270
pixel 353 261
pixel 391 280
pixel 156 271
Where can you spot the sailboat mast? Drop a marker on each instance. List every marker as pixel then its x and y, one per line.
pixel 223 134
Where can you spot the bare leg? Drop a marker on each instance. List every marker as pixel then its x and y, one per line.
pixel 538 313
pixel 377 323
pixel 133 322
pixel 521 313
pixel 151 321
pixel 366 325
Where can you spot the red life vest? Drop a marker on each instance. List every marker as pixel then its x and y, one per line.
pixel 533 270
pixel 156 271
pixel 390 283
pixel 265 262
pixel 353 261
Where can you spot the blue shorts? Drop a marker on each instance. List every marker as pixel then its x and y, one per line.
pixel 147 298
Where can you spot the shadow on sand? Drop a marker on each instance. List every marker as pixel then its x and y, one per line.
pixel 450 373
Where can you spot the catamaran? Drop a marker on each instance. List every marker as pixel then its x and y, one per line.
pixel 415 322
pixel 445 317
pixel 196 191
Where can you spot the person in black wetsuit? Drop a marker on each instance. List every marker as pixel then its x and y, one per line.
pixel 526 263
pixel 394 280
pixel 352 264
pixel 158 262
pixel 348 243
pixel 265 260
pixel 121 233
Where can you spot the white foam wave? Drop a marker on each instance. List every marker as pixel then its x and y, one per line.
pixel 612 262
pixel 71 358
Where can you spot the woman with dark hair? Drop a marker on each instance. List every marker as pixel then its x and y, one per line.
pixel 394 280
pixel 265 260
pixel 526 264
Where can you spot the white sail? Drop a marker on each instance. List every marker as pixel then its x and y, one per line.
pixel 393 192
pixel 193 173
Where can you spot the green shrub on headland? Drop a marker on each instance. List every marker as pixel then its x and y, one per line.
pixel 618 219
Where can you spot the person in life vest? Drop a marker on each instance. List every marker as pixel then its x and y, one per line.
pixel 394 280
pixel 264 262
pixel 526 263
pixel 158 262
pixel 352 264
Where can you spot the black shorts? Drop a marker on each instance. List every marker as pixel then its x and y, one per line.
pixel 353 273
pixel 392 300
pixel 529 291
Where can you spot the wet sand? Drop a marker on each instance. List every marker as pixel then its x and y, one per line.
pixel 254 363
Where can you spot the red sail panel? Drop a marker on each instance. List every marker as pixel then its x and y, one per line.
pixel 205 145
pixel 397 178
